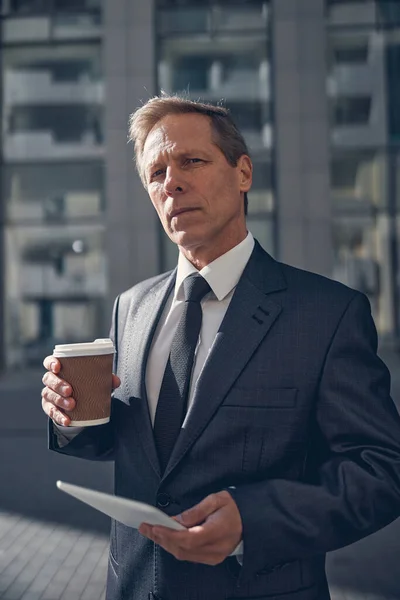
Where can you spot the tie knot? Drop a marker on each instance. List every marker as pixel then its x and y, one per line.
pixel 195 288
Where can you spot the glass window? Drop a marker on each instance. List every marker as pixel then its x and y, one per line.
pixel 52 193
pixel 354 242
pixel 49 269
pixel 388 13
pixel 76 5
pixel 183 20
pixel 356 54
pixel 351 12
pixel 351 110
pixel 240 18
pixel 393 70
pixel 52 102
pixel 51 183
pixel 192 72
pixel 26 29
pixel 364 62
pixel 70 25
pixel 261 197
pixel 213 17
pixel 29 6
pixel 358 179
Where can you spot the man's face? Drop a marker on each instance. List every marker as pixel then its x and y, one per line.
pixel 197 194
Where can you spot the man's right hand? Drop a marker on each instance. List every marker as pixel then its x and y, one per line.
pixel 56 395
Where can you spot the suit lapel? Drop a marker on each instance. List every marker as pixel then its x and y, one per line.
pixel 248 319
pixel 142 321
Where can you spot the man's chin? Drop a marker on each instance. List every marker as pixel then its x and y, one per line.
pixel 185 239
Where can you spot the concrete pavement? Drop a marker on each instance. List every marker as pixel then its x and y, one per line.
pixel 48 561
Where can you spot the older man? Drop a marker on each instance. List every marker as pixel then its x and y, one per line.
pixel 250 400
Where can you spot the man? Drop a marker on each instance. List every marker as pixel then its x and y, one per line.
pixel 287 444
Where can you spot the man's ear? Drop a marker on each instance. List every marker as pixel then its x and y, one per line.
pixel 245 167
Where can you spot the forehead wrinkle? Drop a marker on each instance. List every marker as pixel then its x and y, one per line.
pixel 157 146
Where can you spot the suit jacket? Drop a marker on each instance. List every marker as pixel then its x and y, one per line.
pixel 292 408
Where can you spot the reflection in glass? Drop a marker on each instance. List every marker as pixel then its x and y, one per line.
pixel 362 85
pixel 358 179
pixel 359 246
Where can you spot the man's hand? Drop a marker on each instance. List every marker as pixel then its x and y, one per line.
pixel 214 529
pixel 56 396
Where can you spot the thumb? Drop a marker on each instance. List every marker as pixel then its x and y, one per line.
pixel 116 382
pixel 199 513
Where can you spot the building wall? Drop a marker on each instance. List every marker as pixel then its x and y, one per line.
pixel 318 99
pixel 132 226
pixel 301 134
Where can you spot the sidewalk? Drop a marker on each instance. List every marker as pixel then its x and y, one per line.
pixel 42 561
pixel 50 562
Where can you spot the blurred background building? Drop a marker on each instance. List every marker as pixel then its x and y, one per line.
pixel 314 85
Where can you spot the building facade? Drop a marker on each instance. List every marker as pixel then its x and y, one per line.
pixel 313 85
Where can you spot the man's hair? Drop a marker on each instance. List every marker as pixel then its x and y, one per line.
pixel 226 135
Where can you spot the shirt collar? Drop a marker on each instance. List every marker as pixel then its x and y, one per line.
pixel 222 274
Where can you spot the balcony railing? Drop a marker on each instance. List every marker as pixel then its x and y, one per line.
pixel 29 145
pixel 37 87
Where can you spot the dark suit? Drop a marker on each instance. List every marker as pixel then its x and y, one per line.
pixel 292 408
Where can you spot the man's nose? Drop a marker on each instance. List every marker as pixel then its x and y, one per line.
pixel 173 182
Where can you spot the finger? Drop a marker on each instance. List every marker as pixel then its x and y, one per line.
pixel 116 382
pixel 52 397
pixel 146 530
pixel 51 363
pixel 55 414
pixel 190 549
pixel 185 548
pixel 199 513
pixel 63 388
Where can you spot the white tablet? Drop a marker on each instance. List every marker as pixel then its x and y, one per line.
pixel 128 512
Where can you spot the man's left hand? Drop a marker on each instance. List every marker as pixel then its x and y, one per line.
pixel 214 529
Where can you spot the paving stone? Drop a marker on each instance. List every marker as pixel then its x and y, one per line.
pixel 41 561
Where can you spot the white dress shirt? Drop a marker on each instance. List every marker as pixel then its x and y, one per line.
pixel 222 275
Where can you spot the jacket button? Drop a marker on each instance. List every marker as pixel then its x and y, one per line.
pixel 163 500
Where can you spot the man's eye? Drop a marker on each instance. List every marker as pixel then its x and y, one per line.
pixel 193 160
pixel 157 173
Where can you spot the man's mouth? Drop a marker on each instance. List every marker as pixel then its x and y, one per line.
pixel 179 211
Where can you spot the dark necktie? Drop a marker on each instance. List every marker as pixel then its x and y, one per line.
pixel 172 400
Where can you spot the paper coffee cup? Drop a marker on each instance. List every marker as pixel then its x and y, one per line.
pixel 87 367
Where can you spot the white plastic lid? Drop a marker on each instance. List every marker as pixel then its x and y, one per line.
pixel 100 346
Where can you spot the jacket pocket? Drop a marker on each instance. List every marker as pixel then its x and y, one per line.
pixel 113 560
pixel 113 565
pixel 261 397
pixel 309 593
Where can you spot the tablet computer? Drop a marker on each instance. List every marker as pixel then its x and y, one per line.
pixel 128 512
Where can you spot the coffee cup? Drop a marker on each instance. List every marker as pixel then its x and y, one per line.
pixel 87 367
